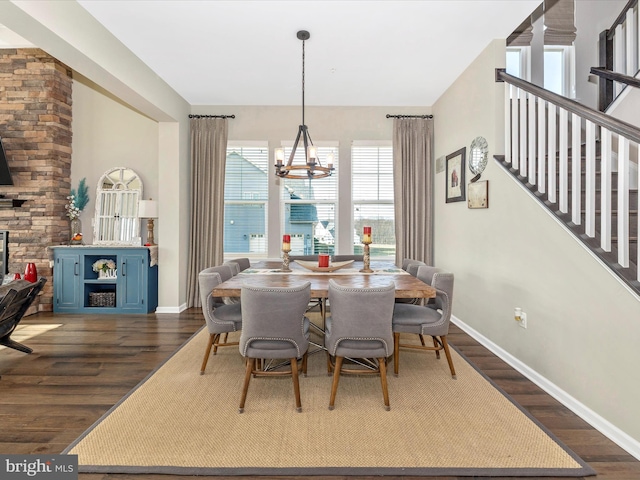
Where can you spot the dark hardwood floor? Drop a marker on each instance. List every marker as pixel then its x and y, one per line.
pixel 83 367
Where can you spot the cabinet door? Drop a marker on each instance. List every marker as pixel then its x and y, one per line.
pixel 67 281
pixel 132 282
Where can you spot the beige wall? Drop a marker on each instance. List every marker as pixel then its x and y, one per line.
pixel 583 331
pixel 108 134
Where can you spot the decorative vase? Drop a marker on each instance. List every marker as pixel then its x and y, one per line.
pixel 31 273
pixel 76 232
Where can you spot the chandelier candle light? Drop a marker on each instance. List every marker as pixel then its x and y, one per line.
pixel 286 248
pixel 366 241
pixel 312 167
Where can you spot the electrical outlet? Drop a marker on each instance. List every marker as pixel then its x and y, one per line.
pixel 520 317
pixel 523 320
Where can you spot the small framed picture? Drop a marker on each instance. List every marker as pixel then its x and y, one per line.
pixel 455 170
pixel 478 194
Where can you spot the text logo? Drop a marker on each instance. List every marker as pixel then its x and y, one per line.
pixel 39 467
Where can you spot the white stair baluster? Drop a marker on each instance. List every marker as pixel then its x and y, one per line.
pixel 623 202
pixel 576 169
pixel 563 147
pixel 542 161
pixel 531 156
pixel 551 155
pixel 605 189
pixel 590 179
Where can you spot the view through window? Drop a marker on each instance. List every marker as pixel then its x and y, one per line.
pixel 372 185
pixel 246 193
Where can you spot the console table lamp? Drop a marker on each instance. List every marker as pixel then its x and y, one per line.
pixel 148 209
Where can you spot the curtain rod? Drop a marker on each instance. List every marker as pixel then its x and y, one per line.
pixel 212 116
pixel 409 116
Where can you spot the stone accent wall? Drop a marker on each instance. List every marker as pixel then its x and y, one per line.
pixel 35 126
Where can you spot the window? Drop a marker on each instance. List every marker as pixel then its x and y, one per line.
pixel 309 207
pixel 517 62
pixel 372 193
pixel 559 70
pixel 245 200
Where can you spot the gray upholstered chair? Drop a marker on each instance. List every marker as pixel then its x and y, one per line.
pixel 359 327
pixel 410 266
pixel 220 318
pixel 274 327
pixel 344 258
pixel 430 320
pixel 243 263
pixel 235 266
pixel 306 258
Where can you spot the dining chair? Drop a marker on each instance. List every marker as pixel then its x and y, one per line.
pixel 220 318
pixel 235 267
pixel 344 258
pixel 359 327
pixel 274 327
pixel 242 262
pixel 422 320
pixel 410 266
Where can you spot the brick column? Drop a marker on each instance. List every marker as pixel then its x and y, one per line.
pixel 35 126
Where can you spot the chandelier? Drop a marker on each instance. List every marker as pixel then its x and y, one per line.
pixel 312 167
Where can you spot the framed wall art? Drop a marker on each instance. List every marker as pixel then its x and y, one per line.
pixel 455 170
pixel 478 194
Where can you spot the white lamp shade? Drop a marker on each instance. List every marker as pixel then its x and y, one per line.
pixel 148 209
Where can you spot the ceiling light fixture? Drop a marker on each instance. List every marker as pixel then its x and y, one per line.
pixel 312 167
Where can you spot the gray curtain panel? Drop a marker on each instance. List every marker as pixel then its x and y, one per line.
pixel 208 160
pixel 413 188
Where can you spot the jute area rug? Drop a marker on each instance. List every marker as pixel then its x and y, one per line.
pixel 180 422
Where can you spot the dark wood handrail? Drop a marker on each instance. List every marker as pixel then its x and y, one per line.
pixel 610 123
pixel 617 77
pixel 623 15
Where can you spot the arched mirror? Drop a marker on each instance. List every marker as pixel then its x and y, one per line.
pixel 116 218
pixel 478 157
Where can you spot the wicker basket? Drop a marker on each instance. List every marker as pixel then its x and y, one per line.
pixel 102 299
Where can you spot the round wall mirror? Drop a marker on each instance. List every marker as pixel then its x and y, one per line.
pixel 478 157
pixel 116 218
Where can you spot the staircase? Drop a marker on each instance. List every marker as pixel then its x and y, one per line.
pixel 589 190
pixel 582 164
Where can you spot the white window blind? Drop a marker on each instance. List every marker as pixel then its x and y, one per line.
pixel 245 200
pixel 372 192
pixel 309 207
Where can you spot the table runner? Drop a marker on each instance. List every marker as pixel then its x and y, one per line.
pixel 342 271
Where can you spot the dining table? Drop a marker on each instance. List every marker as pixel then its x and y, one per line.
pixel 269 273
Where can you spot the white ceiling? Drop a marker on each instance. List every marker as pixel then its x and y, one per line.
pixel 361 53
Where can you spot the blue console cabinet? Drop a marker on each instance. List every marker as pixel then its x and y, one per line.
pixel 76 286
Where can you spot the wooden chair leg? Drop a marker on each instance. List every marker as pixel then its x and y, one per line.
pixel 247 378
pixel 329 370
pixel 336 379
pixel 296 383
pixel 383 380
pixel 216 342
pixel 304 364
pixel 435 345
pixel 421 339
pixel 396 353
pixel 206 353
pixel 445 345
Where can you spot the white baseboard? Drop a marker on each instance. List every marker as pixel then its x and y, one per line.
pixel 613 433
pixel 178 309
